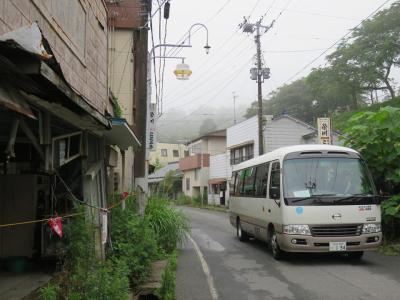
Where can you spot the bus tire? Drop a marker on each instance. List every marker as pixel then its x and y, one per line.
pixel 276 251
pixel 241 235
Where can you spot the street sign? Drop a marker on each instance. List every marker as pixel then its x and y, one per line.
pixel 324 131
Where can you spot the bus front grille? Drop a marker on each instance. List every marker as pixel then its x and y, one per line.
pixel 337 230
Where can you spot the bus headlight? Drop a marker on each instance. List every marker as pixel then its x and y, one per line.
pixel 296 229
pixel 371 228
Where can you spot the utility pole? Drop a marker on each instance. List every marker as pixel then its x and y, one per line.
pixel 259 73
pixel 234 107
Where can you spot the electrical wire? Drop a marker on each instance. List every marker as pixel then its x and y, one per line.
pixel 335 43
pixel 206 79
pixel 163 69
pixel 153 59
pixel 220 90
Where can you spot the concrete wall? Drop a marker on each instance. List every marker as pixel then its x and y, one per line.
pixel 77 34
pixel 219 166
pixel 195 184
pixel 154 155
pixel 216 145
pixel 121 81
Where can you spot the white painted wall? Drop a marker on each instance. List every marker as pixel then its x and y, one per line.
pixel 243 132
pixel 219 166
pixel 284 132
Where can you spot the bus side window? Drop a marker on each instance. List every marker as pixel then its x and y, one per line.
pixel 248 184
pixel 239 183
pixel 275 181
pixel 261 180
pixel 232 184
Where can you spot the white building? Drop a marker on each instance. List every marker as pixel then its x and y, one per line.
pixel 242 144
pixel 195 167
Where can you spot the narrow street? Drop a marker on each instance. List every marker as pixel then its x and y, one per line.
pixel 248 271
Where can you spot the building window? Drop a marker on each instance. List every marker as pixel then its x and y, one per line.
pixel 186 153
pixel 175 153
pixel 243 153
pixel 195 148
pixel 164 152
pixel 196 174
pixel 188 184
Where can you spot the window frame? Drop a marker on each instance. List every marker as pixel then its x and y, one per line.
pixel 164 151
pixel 272 163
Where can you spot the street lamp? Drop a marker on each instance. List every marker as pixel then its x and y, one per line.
pixel 182 71
pixel 207 46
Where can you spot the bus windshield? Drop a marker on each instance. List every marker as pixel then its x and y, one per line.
pixel 326 176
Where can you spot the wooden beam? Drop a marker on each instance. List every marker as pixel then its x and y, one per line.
pixel 13 135
pixel 32 138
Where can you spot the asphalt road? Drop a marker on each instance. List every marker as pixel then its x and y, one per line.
pixel 215 265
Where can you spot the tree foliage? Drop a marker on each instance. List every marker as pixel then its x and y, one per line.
pixel 377 136
pixel 361 65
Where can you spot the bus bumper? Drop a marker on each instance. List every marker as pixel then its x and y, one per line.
pixel 302 243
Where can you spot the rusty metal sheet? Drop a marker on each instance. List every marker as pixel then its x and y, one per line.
pixel 28 38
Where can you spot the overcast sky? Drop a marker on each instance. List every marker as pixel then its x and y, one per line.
pixel 303 30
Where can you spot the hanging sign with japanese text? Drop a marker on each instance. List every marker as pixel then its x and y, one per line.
pixel 324 131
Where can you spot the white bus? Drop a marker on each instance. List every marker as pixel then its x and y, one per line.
pixel 307 198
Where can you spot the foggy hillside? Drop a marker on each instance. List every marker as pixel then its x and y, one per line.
pixel 177 126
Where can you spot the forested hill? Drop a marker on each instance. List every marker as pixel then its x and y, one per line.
pixel 359 73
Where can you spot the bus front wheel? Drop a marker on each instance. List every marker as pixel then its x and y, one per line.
pixel 277 253
pixel 242 235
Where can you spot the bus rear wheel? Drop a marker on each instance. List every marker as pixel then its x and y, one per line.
pixel 241 235
pixel 277 253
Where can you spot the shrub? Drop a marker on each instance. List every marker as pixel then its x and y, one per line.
pixel 167 290
pixel 169 224
pixel 49 292
pixel 376 135
pixel 183 200
pixel 88 276
pixel 132 241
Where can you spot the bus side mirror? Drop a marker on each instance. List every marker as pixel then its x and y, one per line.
pixel 275 193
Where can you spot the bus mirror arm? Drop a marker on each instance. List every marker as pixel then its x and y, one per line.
pixel 278 202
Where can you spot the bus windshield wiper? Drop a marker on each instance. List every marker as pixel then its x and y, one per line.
pixel 315 196
pixel 353 197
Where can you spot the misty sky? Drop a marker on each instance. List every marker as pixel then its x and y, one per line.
pixel 302 31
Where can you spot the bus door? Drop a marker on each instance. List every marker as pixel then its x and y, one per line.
pixel 260 197
pixel 274 194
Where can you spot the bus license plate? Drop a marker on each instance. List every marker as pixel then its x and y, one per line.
pixel 337 246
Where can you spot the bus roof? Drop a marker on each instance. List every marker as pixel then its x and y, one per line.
pixel 280 153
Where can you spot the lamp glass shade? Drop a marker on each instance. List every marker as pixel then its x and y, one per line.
pixel 182 72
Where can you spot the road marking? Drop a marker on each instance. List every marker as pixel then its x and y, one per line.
pixel 206 270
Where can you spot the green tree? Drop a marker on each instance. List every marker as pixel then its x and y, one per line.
pixel 295 99
pixel 366 59
pixel 330 91
pixel 377 136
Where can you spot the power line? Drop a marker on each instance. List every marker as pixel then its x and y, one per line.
pixel 222 88
pixel 206 80
pixel 335 43
pixel 153 59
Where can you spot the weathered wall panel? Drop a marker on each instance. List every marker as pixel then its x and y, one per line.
pixel 77 34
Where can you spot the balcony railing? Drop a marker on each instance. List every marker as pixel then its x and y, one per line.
pixel 194 162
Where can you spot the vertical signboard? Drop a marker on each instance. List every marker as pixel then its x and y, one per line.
pixel 151 115
pixel 324 131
